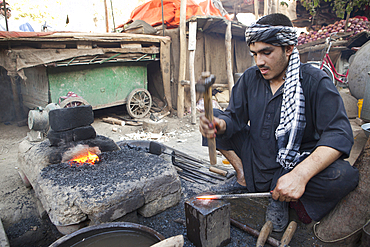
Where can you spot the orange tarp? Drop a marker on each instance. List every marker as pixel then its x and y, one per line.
pixel 151 12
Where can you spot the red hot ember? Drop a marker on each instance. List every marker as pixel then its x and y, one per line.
pixel 81 154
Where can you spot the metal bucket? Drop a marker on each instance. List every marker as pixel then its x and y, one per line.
pixel 365 239
pixel 112 235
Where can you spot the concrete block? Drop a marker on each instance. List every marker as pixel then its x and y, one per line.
pixel 154 207
pixel 4 242
pixel 208 222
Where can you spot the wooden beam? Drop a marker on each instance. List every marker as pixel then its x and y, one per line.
pixel 266 7
pixel 84 44
pixel 135 45
pixel 256 8
pixel 165 55
pixel 192 48
pixel 148 50
pixel 182 62
pixel 229 62
pixel 106 16
pixel 52 45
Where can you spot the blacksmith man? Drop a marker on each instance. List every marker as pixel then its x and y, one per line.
pixel 298 133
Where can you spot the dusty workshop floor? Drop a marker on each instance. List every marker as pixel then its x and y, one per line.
pixel 25 227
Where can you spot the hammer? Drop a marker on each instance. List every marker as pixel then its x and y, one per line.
pixel 204 85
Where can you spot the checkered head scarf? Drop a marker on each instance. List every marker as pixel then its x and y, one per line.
pixel 290 131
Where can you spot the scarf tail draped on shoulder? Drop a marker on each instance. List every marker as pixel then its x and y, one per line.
pixel 289 132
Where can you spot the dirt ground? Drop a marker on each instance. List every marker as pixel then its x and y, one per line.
pixel 20 211
pixel 26 225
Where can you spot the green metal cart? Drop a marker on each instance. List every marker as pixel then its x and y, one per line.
pixel 102 85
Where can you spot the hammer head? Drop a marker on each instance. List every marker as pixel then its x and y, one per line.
pixel 206 81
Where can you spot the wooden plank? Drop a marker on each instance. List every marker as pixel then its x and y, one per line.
pixel 35 90
pixel 108 37
pixel 256 8
pixel 182 65
pixel 148 50
pixel 265 7
pixel 165 55
pixel 132 46
pixel 192 48
pixel 84 44
pixel 229 62
pixel 118 36
pixel 52 45
pixel 320 47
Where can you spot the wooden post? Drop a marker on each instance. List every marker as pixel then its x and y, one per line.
pixel 106 16
pixel 266 7
pixel 256 8
pixel 17 105
pixel 165 53
pixel 182 63
pixel 192 47
pixel 229 62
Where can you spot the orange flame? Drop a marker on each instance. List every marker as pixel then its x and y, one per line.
pixel 85 158
pixel 207 197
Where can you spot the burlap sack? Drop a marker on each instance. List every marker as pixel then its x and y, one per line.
pixel 343 225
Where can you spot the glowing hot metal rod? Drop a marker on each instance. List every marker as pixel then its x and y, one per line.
pixel 234 196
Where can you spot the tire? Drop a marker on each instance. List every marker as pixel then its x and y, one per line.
pixel 139 102
pixel 73 101
pixel 71 117
pixel 57 138
pixel 326 69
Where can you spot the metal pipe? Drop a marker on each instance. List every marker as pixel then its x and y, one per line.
pixel 181 165
pixel 162 19
pixel 105 60
pixel 192 174
pixel 137 60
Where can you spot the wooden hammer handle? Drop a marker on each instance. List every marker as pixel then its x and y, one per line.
pixel 288 234
pixel 208 108
pixel 264 234
pixel 218 171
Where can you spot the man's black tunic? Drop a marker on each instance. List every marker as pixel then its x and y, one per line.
pixel 253 115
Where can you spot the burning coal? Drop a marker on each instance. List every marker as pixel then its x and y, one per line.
pixel 81 154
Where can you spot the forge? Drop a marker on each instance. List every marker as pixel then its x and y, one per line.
pixel 123 181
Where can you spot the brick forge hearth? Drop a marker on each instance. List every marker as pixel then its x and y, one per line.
pixel 122 182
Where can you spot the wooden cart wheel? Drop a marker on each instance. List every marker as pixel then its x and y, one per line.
pixel 138 103
pixel 73 101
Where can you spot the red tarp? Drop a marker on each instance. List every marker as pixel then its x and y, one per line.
pixel 151 12
pixel 12 34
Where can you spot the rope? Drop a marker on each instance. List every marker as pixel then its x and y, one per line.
pixel 336 240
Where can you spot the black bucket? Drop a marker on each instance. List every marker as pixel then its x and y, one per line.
pixel 112 235
pixel 365 239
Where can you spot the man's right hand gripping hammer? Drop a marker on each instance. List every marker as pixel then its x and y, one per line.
pixel 204 85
